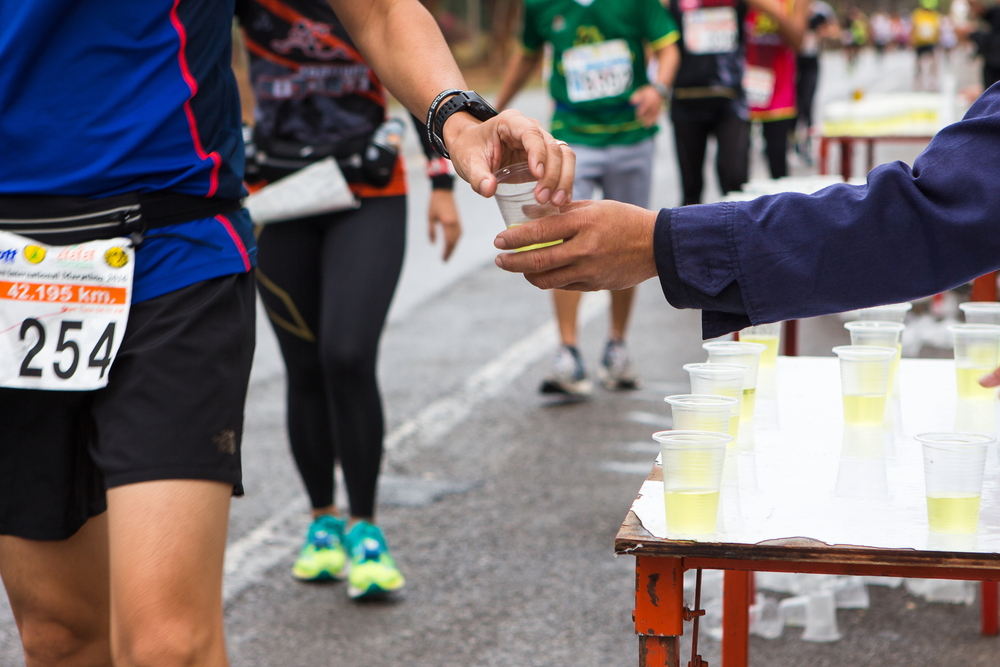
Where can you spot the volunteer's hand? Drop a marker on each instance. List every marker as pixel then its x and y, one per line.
pixel 991 379
pixel 646 101
pixel 442 211
pixel 607 245
pixel 478 149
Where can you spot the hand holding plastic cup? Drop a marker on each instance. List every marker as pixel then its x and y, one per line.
pixel 741 354
pixel 893 312
pixel 953 474
pixel 879 334
pixel 768 335
pixel 977 352
pixel 720 380
pixel 515 196
pixel 692 464
pixel 703 412
pixel 864 381
pixel 981 312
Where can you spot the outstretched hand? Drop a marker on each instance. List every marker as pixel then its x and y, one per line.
pixel 606 245
pixel 478 149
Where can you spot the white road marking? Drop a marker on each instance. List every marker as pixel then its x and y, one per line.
pixel 650 419
pixel 277 538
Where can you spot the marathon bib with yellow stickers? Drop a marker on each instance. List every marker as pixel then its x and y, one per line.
pixel 63 311
pixel 710 30
pixel 597 71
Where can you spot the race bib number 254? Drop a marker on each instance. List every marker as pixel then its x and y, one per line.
pixel 63 311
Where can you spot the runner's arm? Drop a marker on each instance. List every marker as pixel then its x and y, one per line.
pixel 405 48
pixel 518 70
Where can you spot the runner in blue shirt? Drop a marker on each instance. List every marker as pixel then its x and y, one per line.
pixel 127 308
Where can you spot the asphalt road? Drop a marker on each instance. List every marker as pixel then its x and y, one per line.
pixel 501 507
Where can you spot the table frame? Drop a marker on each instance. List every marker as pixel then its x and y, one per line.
pixel 847 150
pixel 660 567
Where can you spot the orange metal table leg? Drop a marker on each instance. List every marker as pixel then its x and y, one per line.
pixel 659 610
pixel 846 158
pixel 824 153
pixel 984 288
pixel 736 618
pixel 988 607
pixel 791 338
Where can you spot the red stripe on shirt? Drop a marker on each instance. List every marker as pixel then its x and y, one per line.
pixel 236 239
pixel 192 85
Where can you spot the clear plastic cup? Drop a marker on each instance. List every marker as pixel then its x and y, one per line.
pixel 768 335
pixel 864 382
pixel 981 312
pixel 879 334
pixel 977 352
pixel 893 312
pixel 821 618
pixel 740 353
pixel 515 196
pixel 692 464
pixel 703 412
pixel 720 380
pixel 953 475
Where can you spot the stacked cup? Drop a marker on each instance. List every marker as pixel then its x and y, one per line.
pixel 879 333
pixel 739 353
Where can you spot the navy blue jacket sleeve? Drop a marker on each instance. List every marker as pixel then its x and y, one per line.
pixel 908 233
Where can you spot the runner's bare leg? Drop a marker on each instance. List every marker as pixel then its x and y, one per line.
pixel 167 543
pixel 59 595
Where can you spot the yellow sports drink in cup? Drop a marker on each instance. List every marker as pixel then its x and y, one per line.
pixel 703 412
pixel 692 464
pixel 743 354
pixel 515 196
pixel 720 380
pixel 879 334
pixel 864 382
pixel 977 352
pixel 768 335
pixel 953 475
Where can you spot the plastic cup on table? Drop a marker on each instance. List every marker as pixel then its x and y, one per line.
pixel 879 334
pixel 692 463
pixel 720 380
pixel 893 312
pixel 768 335
pixel 742 354
pixel 515 196
pixel 953 475
pixel 864 382
pixel 703 412
pixel 977 352
pixel 981 312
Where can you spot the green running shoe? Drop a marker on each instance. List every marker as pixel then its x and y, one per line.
pixel 323 556
pixel 373 571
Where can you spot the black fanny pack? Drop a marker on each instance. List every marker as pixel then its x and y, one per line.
pixel 361 159
pixel 68 220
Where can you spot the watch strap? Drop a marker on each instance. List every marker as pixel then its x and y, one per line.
pixel 467 101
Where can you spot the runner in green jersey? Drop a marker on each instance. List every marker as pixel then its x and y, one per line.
pixel 606 109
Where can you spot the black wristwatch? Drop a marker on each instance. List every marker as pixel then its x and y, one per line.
pixel 441 111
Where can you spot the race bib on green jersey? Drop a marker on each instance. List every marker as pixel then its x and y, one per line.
pixel 597 71
pixel 63 311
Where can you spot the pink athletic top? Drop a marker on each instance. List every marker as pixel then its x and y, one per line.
pixel 769 80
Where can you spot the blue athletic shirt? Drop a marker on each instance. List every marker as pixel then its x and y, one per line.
pixel 104 97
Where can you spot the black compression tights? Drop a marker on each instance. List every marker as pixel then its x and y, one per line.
pixel 327 282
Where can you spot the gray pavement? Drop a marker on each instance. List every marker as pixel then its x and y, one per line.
pixel 501 507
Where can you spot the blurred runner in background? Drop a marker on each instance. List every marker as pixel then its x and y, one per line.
pixel 822 24
pixel 881 28
pixel 854 35
pixel 774 32
pixel 708 96
pixel 327 280
pixel 987 39
pixel 607 110
pixel 924 36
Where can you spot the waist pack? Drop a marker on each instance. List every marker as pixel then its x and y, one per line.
pixel 59 220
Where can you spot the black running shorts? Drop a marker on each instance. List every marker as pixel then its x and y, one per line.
pixel 173 409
